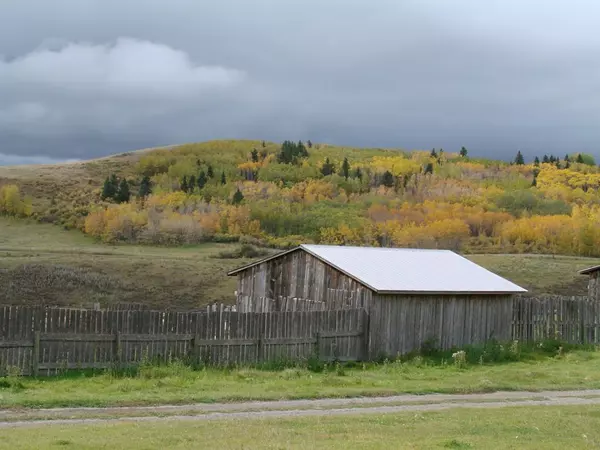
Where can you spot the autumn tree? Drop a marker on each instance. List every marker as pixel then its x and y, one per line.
pixel 519 160
pixel 184 185
pixel 346 168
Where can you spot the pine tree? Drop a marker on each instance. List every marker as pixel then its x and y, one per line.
pixel 223 178
pixel 109 190
pixel 388 179
pixel 545 159
pixel 209 172
pixel 254 155
pixel 309 143
pixel 201 181
pixel 552 159
pixel 123 195
pixel 534 182
pixel 192 184
pixel 536 162
pixel 580 159
pixel 145 187
pixel 567 157
pixel 567 164
pixel 346 168
pixel 358 173
pixel 264 144
pixel 433 153
pixel 184 184
pixel 428 168
pixel 327 168
pixel 519 160
pixel 238 197
pixel 463 152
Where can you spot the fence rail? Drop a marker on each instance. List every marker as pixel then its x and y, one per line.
pixel 40 341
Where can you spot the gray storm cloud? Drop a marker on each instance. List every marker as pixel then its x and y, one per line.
pixel 103 77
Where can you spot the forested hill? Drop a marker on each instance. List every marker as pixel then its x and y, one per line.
pixel 282 194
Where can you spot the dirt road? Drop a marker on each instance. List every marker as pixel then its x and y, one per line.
pixel 293 408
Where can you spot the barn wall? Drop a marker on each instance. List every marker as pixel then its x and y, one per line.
pixel 594 285
pixel 400 324
pixel 300 275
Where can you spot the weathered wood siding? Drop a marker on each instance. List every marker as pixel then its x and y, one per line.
pixel 300 275
pixel 594 285
pixel 400 324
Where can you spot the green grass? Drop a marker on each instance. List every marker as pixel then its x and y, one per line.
pixel 514 427
pixel 179 384
pixel 41 263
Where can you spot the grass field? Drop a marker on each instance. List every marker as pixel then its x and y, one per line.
pixel 44 263
pixel 517 427
pixel 544 369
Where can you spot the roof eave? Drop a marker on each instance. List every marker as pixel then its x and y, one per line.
pixel 384 292
pixel 589 270
pixel 260 261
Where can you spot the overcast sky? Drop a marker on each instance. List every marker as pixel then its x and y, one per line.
pixel 86 78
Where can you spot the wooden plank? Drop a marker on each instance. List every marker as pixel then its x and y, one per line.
pixel 16 344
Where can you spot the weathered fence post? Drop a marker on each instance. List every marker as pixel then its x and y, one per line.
pixel 317 345
pixel 117 349
pixel 35 354
pixel 366 334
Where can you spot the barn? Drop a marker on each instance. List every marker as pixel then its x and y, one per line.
pixel 413 297
pixel 594 283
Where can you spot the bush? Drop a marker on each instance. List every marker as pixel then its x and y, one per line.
pixel 244 251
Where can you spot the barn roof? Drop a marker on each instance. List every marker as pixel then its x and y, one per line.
pixel 396 270
pixel 589 270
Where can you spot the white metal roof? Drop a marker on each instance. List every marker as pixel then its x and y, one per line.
pixel 395 270
pixel 589 270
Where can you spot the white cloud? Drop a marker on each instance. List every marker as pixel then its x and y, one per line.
pixel 15 160
pixel 129 67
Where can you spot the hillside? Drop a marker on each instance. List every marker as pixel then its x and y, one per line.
pixel 279 195
pixel 41 263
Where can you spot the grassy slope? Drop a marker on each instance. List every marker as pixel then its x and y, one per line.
pixel 180 384
pixel 44 263
pixel 518 427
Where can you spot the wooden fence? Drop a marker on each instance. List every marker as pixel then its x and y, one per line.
pixel 46 341
pixel 569 319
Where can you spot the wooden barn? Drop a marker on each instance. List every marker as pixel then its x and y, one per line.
pixel 413 297
pixel 594 282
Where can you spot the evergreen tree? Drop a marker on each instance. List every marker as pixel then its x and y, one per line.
pixel 223 178
pixel 567 164
pixel 387 179
pixel 567 157
pixel 534 182
pixel 145 187
pixel 209 172
pixel 301 150
pixel 238 197
pixel 358 173
pixel 184 185
pixel 309 143
pixel 463 152
pixel 254 155
pixel 580 159
pixel 123 195
pixel 552 159
pixel 192 184
pixel 264 144
pixel 536 162
pixel 327 168
pixel 545 159
pixel 201 180
pixel 109 190
pixel 433 153
pixel 428 168
pixel 519 160
pixel 346 168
